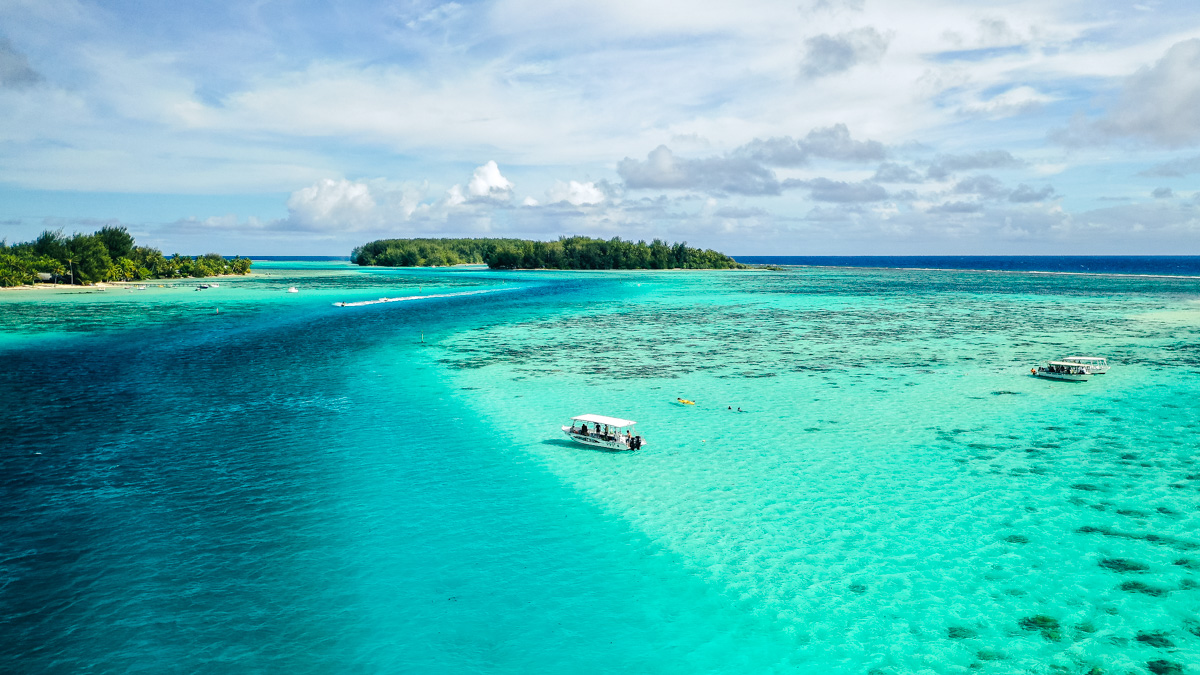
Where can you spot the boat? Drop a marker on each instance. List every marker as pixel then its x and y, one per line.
pixel 610 433
pixel 684 401
pixel 1095 365
pixel 293 289
pixel 1062 370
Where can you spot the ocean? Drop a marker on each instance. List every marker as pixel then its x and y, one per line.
pixel 245 479
pixel 1163 265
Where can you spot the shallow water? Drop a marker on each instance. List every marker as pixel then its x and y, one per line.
pixel 280 483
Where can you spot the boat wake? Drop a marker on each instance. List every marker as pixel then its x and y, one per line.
pixel 363 303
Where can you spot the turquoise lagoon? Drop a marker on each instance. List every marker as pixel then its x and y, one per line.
pixel 244 479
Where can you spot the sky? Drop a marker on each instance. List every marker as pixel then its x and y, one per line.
pixel 806 127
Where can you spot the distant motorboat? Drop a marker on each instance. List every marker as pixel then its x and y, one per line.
pixel 1062 370
pixel 293 289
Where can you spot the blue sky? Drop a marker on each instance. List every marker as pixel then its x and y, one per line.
pixel 811 127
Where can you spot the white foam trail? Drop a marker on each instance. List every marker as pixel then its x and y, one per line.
pixel 363 303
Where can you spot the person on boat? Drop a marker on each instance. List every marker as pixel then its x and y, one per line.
pixel 584 430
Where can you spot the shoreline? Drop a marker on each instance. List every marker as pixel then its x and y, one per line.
pixel 100 286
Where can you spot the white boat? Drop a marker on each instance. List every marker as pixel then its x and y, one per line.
pixel 1096 365
pixel 1062 370
pixel 611 433
pixel 293 289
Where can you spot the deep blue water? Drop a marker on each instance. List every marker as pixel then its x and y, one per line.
pixel 297 490
pixel 1156 265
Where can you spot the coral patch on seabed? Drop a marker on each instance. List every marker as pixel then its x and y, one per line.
pixel 1164 667
pixel 1156 638
pixel 1139 587
pixel 1123 565
pixel 1048 626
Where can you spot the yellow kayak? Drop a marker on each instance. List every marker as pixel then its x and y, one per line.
pixel 684 401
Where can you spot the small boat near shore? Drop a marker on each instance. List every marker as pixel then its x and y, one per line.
pixel 1062 370
pixel 610 433
pixel 1095 365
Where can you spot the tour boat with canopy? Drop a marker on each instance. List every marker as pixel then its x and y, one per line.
pixel 1062 370
pixel 1095 365
pixel 611 433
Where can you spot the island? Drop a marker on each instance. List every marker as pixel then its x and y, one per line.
pixel 109 254
pixel 567 253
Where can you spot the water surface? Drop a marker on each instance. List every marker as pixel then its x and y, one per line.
pixel 246 479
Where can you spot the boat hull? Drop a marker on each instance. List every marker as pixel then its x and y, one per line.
pixel 595 441
pixel 1065 377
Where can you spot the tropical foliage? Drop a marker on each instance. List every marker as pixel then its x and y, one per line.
pixel 568 253
pixel 107 255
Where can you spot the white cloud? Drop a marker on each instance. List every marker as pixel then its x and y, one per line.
pixel 575 193
pixel 487 183
pixel 341 204
pixel 1161 102
pixel 1011 102
pixel 831 54
pixel 1157 105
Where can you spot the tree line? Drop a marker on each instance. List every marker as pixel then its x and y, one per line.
pixel 567 253
pixel 109 254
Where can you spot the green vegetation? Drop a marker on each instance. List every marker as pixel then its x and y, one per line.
pixel 568 253
pixel 107 255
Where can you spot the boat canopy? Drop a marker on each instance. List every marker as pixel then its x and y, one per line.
pixel 1065 363
pixel 601 419
pixel 1086 358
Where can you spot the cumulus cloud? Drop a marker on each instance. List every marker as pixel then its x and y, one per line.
pixel 956 207
pixel 833 142
pixel 1175 168
pixel 889 172
pixel 575 193
pixel 945 165
pixel 832 54
pixel 340 203
pixel 358 205
pixel 776 151
pixel 1162 193
pixel 663 170
pixel 988 187
pixel 1024 194
pixel 14 67
pixel 487 183
pixel 825 190
pixel 1157 105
